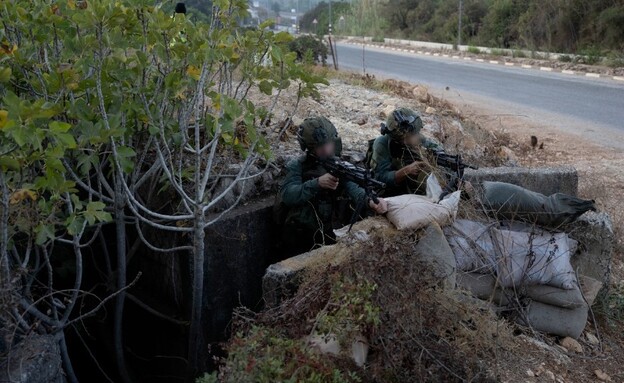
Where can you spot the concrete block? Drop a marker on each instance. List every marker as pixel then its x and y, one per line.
pixel 542 180
pixel 282 279
pixel 590 288
pixel 554 320
pixel 594 232
pixel 36 359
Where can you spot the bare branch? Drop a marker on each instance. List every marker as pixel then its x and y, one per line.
pixel 103 302
pixel 159 249
pixel 157 225
pixel 95 360
pixel 154 312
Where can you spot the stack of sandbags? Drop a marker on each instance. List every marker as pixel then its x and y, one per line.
pixel 545 308
pixel 528 257
pixel 526 271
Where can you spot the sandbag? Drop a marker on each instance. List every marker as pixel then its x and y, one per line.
pixel 511 202
pixel 413 212
pixel 533 259
pixel 482 286
pixel 485 287
pixel 517 258
pixel 435 251
pixel 554 320
pixel 569 299
pixel 471 243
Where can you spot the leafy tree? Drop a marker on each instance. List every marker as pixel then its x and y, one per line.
pixel 104 104
pixel 275 7
pixel 558 25
pixel 309 46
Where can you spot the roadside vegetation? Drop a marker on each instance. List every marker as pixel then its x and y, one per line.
pixel 592 29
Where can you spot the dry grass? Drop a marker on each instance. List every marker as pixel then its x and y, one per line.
pixel 417 331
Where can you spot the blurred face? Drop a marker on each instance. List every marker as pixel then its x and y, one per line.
pixel 415 139
pixel 326 150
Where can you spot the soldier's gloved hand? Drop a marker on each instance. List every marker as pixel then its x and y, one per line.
pixel 416 167
pixel 412 169
pixel 379 208
pixel 327 181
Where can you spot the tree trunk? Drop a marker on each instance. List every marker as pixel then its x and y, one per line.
pixel 120 230
pixel 4 235
pixel 195 332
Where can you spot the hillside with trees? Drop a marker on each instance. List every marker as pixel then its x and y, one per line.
pixel 573 26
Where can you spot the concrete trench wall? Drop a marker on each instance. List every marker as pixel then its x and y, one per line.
pixel 238 250
pixel 239 247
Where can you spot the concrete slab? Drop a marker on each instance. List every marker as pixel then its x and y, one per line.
pixel 594 232
pixel 282 279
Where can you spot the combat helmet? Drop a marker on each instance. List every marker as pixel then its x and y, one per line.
pixel 317 131
pixel 401 122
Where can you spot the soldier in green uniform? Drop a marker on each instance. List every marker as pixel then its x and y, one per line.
pixel 311 197
pixel 396 156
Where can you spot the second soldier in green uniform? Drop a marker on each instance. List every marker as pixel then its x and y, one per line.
pixel 396 156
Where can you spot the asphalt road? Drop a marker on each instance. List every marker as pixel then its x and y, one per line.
pixel 561 99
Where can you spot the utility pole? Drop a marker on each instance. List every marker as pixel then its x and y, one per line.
pixel 330 18
pixel 459 26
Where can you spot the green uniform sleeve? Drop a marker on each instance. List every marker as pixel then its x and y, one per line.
pixel 293 190
pixel 355 192
pixel 382 162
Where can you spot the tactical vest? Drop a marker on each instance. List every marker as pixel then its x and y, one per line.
pixel 327 210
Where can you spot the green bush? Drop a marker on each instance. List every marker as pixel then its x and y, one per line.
pixel 498 52
pixel 378 39
pixel 309 49
pixel 591 55
pixel 518 53
pixel 615 59
pixel 565 58
pixel 263 354
pixel 474 50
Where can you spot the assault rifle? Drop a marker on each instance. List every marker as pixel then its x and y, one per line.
pixel 450 162
pixel 346 171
